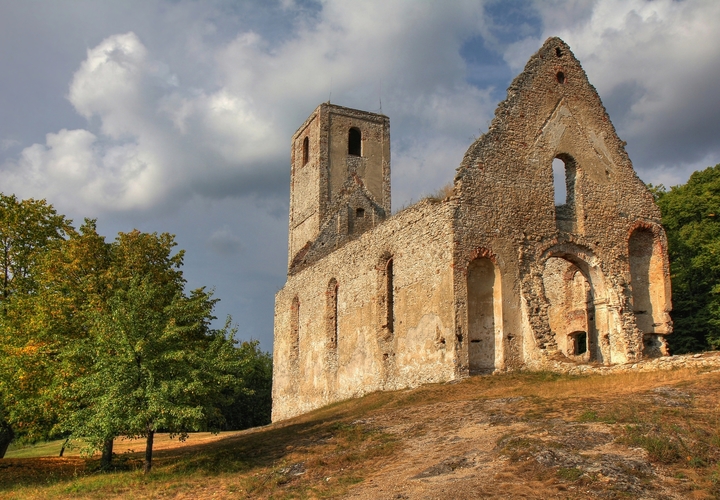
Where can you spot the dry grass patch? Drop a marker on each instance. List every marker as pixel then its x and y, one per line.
pixel 554 426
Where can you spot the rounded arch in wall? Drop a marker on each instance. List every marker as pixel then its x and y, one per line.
pixel 649 278
pixel 484 319
pixel 602 319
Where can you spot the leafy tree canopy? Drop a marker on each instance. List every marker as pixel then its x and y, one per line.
pixel 691 216
pixel 100 340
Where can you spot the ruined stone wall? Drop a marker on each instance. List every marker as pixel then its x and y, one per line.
pixel 506 183
pixel 417 347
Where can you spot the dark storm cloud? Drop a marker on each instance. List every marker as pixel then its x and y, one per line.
pixel 656 65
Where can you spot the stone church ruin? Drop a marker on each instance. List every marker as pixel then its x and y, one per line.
pixel 494 277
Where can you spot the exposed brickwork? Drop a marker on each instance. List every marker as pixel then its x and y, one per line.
pixel 495 277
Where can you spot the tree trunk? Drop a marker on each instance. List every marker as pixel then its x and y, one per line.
pixel 62 450
pixel 148 450
pixel 106 459
pixel 6 437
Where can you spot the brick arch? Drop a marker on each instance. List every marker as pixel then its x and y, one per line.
pixel 480 253
pixel 382 259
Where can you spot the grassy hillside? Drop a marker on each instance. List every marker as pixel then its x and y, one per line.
pixel 524 435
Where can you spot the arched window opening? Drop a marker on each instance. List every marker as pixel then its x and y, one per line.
pixel 354 142
pixel 306 151
pixel 564 179
pixel 647 280
pixel 485 324
pixel 390 299
pixel 295 328
pixel 333 324
pixel 559 182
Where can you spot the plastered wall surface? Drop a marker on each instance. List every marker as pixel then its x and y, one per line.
pixel 369 355
pixel 496 276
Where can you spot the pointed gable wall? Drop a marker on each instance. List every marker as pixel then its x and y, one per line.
pixel 507 211
pixel 511 165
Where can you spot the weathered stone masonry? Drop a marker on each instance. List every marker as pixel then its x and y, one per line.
pixel 494 277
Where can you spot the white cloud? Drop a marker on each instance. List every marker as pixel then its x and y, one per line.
pixel 160 141
pixel 155 143
pixel 72 171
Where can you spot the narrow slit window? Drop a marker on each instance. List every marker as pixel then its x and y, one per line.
pixel 390 312
pixel 333 326
pixel 336 323
pixel 295 328
pixel 354 142
pixel 306 151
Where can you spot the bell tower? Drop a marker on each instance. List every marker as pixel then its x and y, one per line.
pixel 339 176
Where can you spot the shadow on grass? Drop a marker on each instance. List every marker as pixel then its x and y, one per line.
pixel 260 447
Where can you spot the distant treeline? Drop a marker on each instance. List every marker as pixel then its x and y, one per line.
pixel 100 340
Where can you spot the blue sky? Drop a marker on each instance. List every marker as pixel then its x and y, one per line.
pixel 177 115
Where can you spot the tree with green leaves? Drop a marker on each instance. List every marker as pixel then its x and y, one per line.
pixel 28 228
pixel 251 408
pixel 691 216
pixel 154 362
pixel 100 340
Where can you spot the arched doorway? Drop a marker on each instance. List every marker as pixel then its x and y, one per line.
pixel 571 311
pixel 485 332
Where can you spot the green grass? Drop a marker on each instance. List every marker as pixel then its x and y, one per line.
pixel 46 449
pixel 569 474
